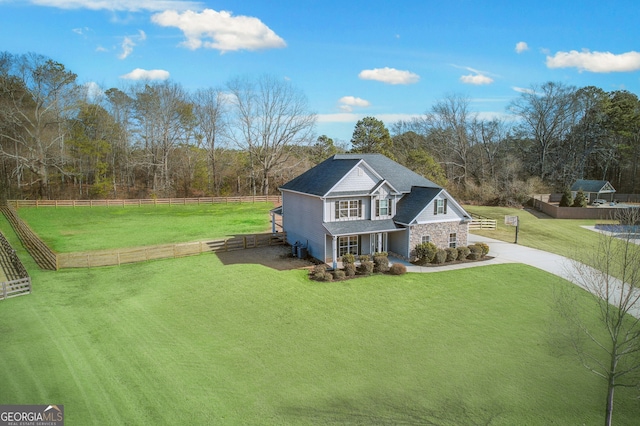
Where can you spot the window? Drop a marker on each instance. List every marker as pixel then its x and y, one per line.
pixel 440 206
pixel 453 240
pixel 426 239
pixel 383 207
pixel 348 209
pixel 347 245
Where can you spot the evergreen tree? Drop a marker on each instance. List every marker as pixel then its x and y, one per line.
pixel 372 137
pixel 580 200
pixel 567 198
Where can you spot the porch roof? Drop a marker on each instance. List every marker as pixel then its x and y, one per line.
pixel 355 227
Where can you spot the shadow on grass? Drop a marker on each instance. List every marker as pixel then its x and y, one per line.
pixel 386 411
pixel 274 257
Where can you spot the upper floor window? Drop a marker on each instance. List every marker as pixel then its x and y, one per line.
pixel 348 209
pixel 440 206
pixel 383 207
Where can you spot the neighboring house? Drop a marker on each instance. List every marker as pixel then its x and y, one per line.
pixel 593 189
pixel 367 203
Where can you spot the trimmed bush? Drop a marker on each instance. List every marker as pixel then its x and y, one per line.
pixel 397 269
pixel 580 200
pixel 452 254
pixel 475 252
pixel 463 252
pixel 319 270
pixel 364 258
pixel 338 275
pixel 440 257
pixel 380 262
pixel 484 247
pixel 348 258
pixel 349 269
pixel 425 252
pixel 366 267
pixel 326 277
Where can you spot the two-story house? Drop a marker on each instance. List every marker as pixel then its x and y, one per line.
pixel 367 203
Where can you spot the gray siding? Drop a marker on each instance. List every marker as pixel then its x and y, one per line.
pixel 302 221
pixel 427 215
pixel 358 179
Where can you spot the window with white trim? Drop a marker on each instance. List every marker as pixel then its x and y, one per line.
pixel 453 240
pixel 348 244
pixel 348 209
pixel 384 207
pixel 426 239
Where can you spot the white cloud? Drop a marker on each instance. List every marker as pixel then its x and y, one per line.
pixel 348 102
pixel 521 46
pixel 220 30
pixel 93 90
pixel 121 5
pixel 389 76
pixel 476 79
pixel 140 74
pixel 601 62
pixel 523 90
pixel 128 44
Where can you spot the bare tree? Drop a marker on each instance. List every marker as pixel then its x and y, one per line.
pixel 269 116
pixel 610 347
pixel 37 94
pixel 210 111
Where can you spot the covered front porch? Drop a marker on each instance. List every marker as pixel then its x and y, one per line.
pixel 361 237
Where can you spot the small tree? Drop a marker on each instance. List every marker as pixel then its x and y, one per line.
pixel 580 200
pixel 567 198
pixel 425 252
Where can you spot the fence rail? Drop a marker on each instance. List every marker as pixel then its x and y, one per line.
pixel 476 224
pixel 144 202
pixel 15 288
pixel 41 253
pixel 165 251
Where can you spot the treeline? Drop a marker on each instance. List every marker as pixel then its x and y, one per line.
pixel 59 139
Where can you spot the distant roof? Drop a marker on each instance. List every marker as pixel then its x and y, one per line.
pixel 412 204
pixel 320 179
pixel 602 186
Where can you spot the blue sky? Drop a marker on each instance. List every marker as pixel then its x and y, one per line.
pixel 390 60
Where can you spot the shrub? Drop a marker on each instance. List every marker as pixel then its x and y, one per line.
pixel 463 252
pixel 338 274
pixel 348 258
pixel 326 277
pixel 319 270
pixel 425 252
pixel 475 252
pixel 366 267
pixel 440 257
pixel 484 247
pixel 567 198
pixel 364 258
pixel 349 269
pixel 452 254
pixel 397 269
pixel 580 200
pixel 380 262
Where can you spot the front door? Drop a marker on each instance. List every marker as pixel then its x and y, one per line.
pixel 378 242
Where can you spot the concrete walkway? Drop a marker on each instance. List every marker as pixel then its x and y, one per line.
pixel 563 267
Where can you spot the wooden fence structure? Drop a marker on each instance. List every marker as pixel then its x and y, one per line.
pixel 17 281
pixel 144 202
pixel 481 222
pixel 41 253
pixel 165 251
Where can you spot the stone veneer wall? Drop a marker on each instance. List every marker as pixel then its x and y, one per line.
pixel 438 234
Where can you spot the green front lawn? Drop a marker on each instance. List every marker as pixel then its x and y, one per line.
pixel 67 229
pixel 191 341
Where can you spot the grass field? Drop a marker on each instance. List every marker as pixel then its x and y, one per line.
pixel 191 341
pixel 99 228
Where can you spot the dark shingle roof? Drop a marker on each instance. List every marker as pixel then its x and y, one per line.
pixel 352 227
pixel 413 203
pixel 320 179
pixel 591 186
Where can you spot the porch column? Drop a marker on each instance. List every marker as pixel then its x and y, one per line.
pixel 334 251
pixel 273 223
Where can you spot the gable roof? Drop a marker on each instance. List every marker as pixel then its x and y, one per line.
pixel 412 204
pixel 320 179
pixel 592 186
